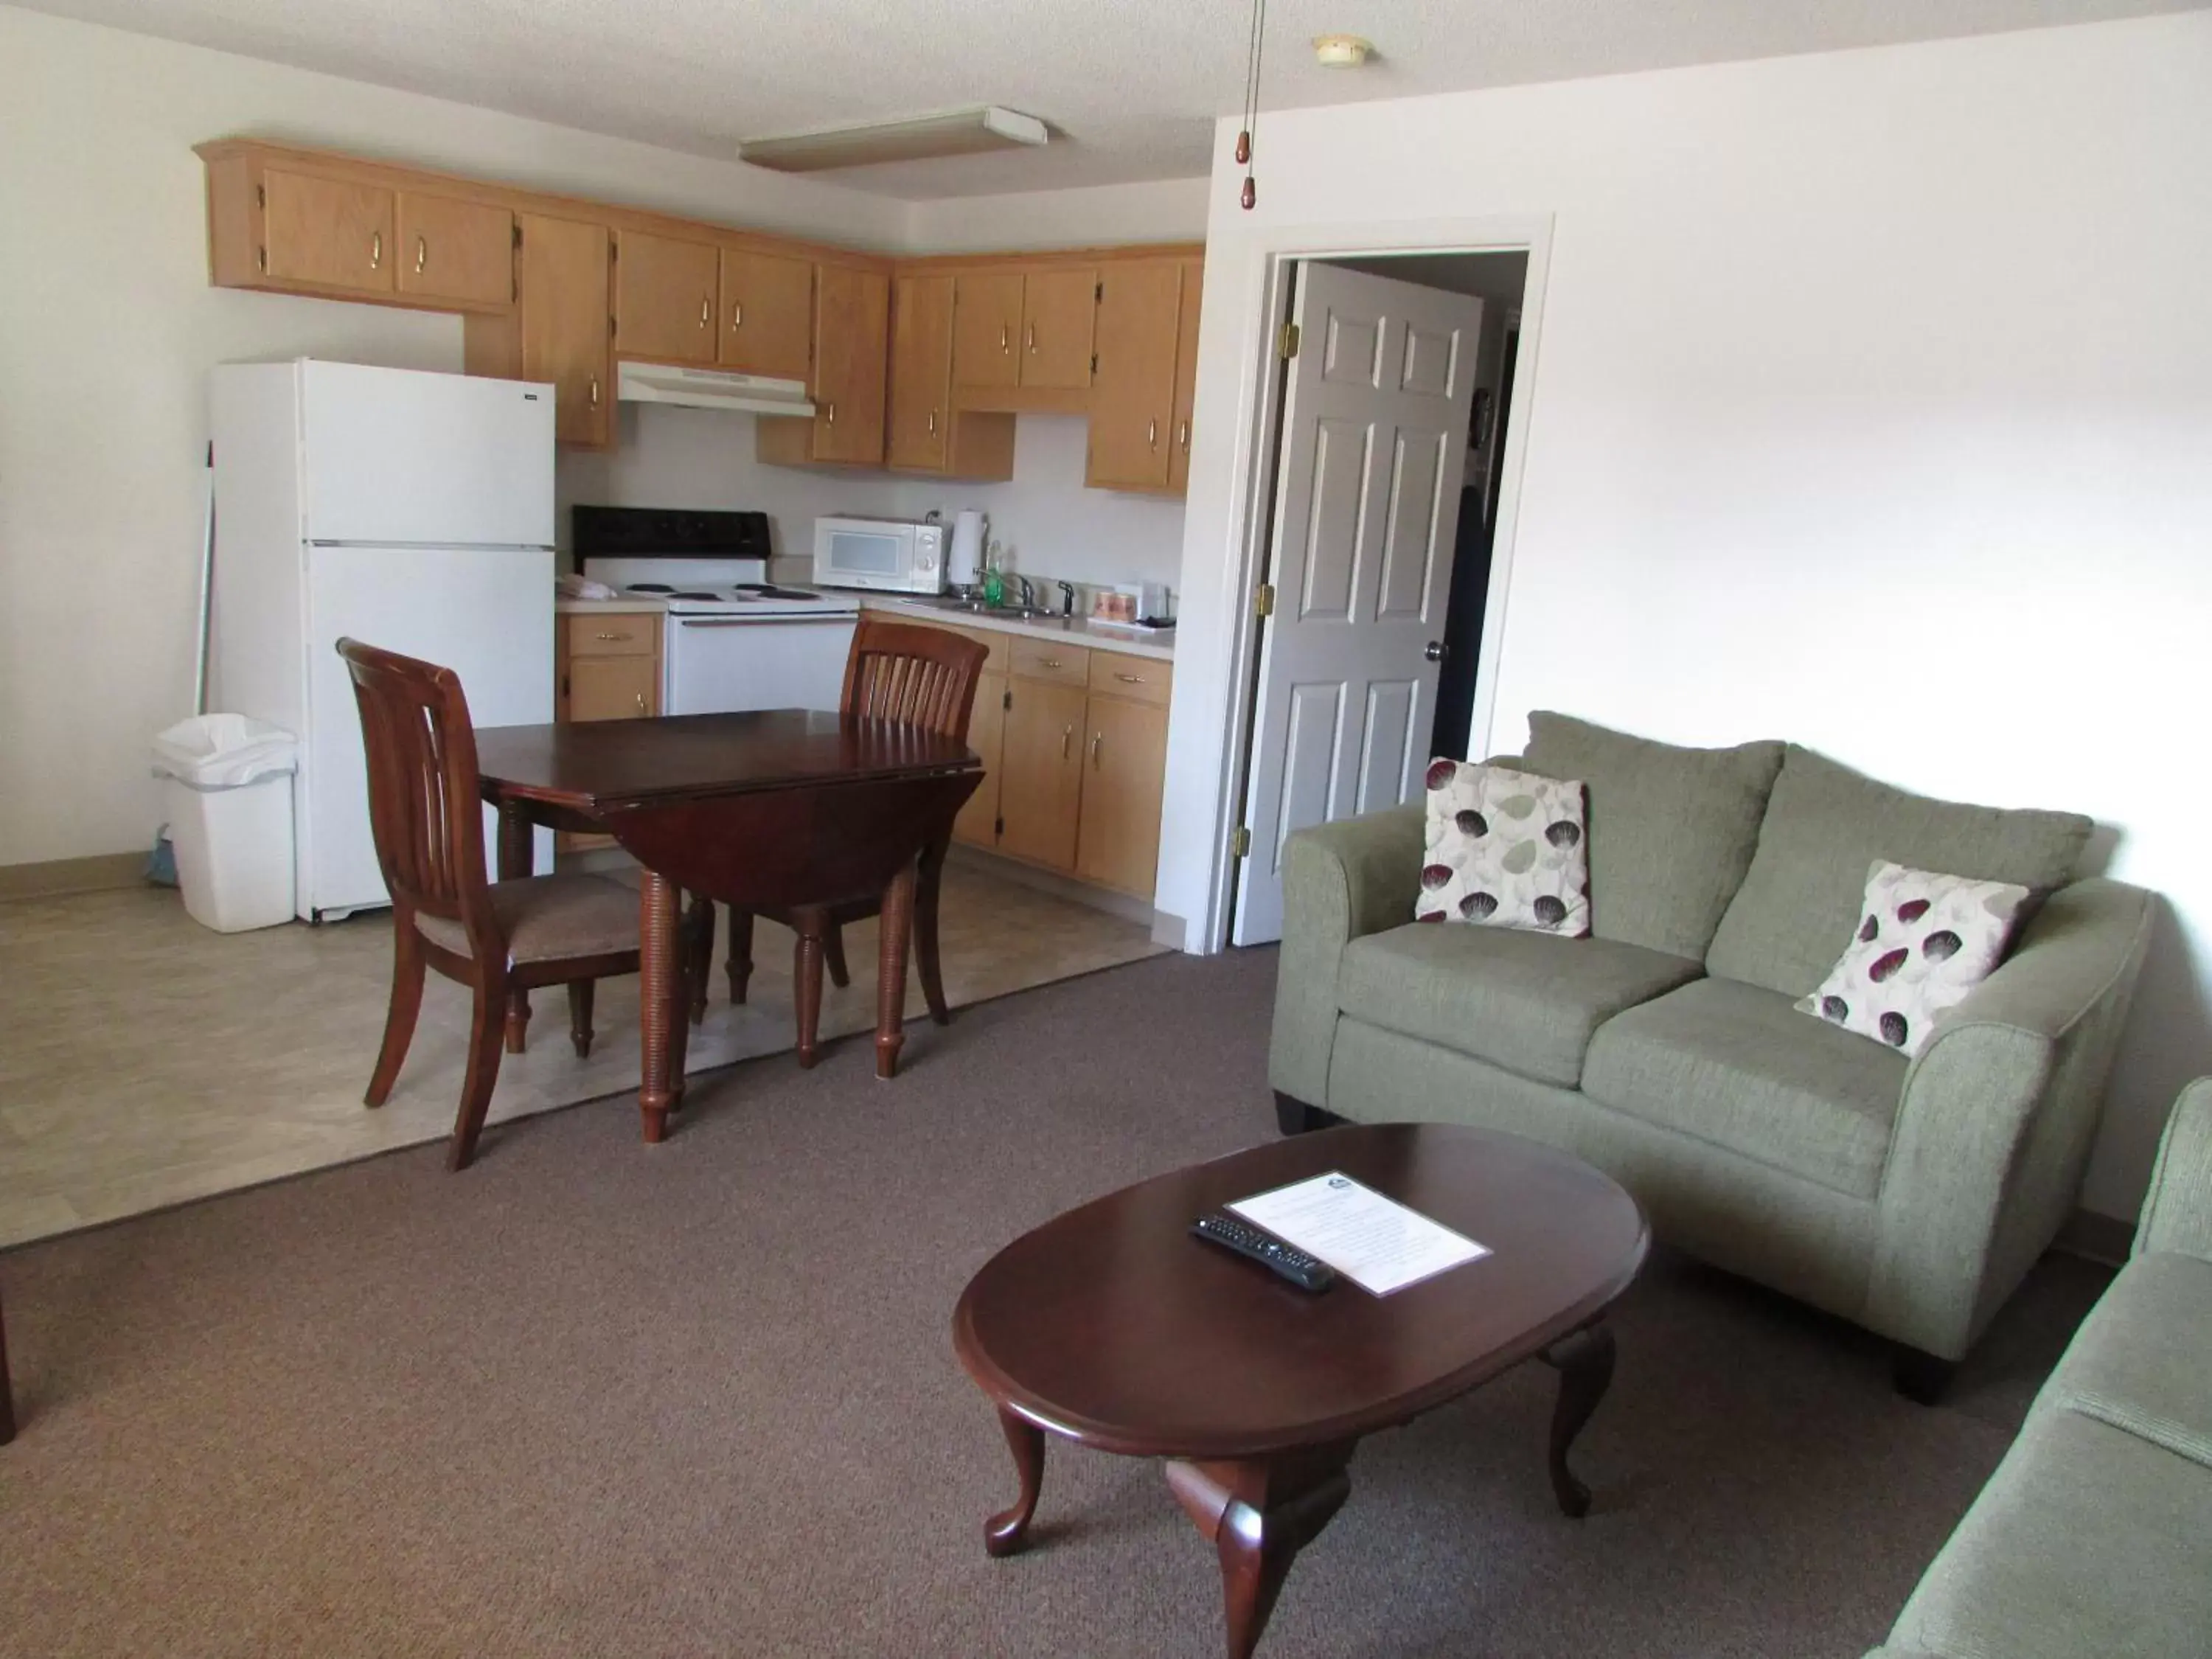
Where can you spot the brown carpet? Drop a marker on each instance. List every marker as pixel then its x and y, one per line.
pixel 593 1398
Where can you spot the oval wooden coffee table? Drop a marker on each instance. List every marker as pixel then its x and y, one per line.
pixel 1113 1326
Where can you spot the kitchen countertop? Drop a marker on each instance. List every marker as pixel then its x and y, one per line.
pixel 607 607
pixel 1159 647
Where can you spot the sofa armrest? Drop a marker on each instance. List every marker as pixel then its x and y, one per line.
pixel 1996 1118
pixel 1341 880
pixel 2177 1215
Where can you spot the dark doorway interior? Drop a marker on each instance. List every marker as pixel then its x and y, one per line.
pixel 1470 582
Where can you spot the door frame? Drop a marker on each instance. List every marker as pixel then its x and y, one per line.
pixel 1267 269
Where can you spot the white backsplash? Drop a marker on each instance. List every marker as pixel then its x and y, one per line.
pixel 1050 525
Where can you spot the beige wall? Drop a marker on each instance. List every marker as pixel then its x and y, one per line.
pixel 1872 408
pixel 107 329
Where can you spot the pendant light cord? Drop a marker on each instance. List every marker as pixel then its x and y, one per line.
pixel 1253 50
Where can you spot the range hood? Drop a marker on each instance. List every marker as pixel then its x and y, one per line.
pixel 711 388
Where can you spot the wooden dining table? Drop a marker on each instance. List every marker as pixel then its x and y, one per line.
pixel 778 808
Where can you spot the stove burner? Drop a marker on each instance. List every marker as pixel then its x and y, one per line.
pixel 770 591
pixel 648 587
pixel 695 596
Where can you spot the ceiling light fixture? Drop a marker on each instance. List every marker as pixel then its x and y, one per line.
pixel 958 132
pixel 1341 51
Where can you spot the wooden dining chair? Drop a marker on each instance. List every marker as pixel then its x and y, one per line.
pixel 895 670
pixel 494 936
pixel 7 1387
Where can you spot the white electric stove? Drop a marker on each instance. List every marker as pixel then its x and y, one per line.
pixel 732 640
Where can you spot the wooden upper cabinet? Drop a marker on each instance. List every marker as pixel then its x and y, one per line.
pixel 987 337
pixel 327 233
pixel 767 323
pixel 561 323
pixel 921 373
pixel 1132 397
pixel 665 294
pixel 454 250
pixel 852 327
pixel 1059 310
pixel 1185 373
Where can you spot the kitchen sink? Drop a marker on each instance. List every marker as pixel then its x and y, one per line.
pixel 978 608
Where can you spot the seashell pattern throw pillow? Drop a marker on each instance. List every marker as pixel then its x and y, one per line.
pixel 1923 942
pixel 1506 849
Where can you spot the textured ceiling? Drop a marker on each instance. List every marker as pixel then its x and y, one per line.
pixel 1129 86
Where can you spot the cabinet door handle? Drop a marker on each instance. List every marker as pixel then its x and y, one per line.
pixel 1005 339
pixel 1183 437
pixel 595 391
pixel 261 260
pixel 830 414
pixel 1047 662
pixel 1032 339
pixel 1097 738
pixel 737 313
pixel 376 250
pixel 1153 434
pixel 641 708
pixel 1067 739
pixel 1125 679
pixel 706 312
pixel 610 636
pixel 933 422
pixel 422 254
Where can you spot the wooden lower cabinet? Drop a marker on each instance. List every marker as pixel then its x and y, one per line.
pixel 1125 756
pixel 978 823
pixel 1041 774
pixel 605 667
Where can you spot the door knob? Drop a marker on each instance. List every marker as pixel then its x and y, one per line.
pixel 1437 652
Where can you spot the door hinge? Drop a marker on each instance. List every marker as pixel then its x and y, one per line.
pixel 1006 700
pixel 1094 362
pixel 1240 843
pixel 1099 292
pixel 610 328
pixel 997 826
pixel 517 234
pixel 1287 343
pixel 1263 599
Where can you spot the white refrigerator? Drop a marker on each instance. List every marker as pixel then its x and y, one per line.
pixel 407 510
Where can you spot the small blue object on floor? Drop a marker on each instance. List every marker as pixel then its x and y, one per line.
pixel 162 862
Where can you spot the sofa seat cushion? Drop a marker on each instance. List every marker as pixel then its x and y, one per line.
pixel 2141 1359
pixel 1671 830
pixel 2087 1540
pixel 1737 1066
pixel 1525 1001
pixel 1825 827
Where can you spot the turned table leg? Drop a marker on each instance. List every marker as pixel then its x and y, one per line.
pixel 896 923
pixel 1260 1513
pixel 8 1396
pixel 1008 1530
pixel 518 853
pixel 662 1012
pixel 1584 1363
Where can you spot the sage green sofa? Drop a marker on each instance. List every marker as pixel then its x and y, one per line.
pixel 2094 1535
pixel 1907 1195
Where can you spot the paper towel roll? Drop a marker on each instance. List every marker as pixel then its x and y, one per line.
pixel 965 567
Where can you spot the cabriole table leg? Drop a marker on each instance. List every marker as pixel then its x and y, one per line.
pixel 1260 1513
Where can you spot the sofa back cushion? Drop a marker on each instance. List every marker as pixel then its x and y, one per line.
pixel 1672 830
pixel 1826 824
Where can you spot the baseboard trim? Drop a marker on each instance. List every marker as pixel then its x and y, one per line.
pixel 1170 930
pixel 2105 1238
pixel 1047 881
pixel 103 872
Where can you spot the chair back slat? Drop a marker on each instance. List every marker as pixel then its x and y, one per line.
pixel 922 676
pixel 422 787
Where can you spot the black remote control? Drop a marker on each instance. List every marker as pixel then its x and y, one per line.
pixel 1308 1274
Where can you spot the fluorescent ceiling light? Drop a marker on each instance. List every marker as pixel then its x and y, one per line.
pixel 962 132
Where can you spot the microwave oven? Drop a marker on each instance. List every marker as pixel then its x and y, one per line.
pixel 896 555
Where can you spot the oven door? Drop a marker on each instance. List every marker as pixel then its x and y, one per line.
pixel 849 554
pixel 724 664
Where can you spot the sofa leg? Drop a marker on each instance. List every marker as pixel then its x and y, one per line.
pixel 1293 1117
pixel 1922 1377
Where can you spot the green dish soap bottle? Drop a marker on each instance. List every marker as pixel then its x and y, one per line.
pixel 994 579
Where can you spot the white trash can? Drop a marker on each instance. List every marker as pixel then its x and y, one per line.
pixel 226 785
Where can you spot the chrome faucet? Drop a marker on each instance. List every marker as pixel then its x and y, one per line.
pixel 1029 593
pixel 1066 597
